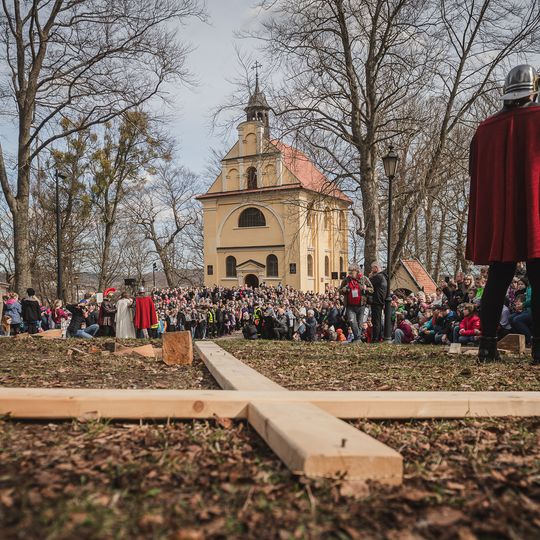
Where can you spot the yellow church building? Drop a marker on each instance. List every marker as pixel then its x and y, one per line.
pixel 271 216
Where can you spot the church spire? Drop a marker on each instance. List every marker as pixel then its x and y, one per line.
pixel 257 107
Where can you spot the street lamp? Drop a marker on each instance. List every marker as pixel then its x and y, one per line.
pixel 154 270
pixel 59 287
pixel 76 281
pixel 390 162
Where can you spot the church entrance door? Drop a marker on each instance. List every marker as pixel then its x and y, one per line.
pixel 251 280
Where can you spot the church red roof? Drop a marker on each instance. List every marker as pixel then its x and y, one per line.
pixel 309 176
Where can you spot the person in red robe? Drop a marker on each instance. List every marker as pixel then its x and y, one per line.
pixel 504 204
pixel 145 313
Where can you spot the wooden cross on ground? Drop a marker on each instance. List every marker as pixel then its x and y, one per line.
pixel 304 428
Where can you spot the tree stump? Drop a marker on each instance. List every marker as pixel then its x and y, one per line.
pixel 177 348
pixel 514 343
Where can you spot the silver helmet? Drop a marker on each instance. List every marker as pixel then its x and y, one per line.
pixel 522 81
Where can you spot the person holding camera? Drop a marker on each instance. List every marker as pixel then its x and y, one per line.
pixel 355 288
pixel 78 327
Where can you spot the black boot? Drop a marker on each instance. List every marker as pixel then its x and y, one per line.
pixel 535 350
pixel 487 350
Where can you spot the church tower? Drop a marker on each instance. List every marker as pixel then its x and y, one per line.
pixel 257 108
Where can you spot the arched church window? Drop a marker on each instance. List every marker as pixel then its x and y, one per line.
pixel 251 217
pixel 272 266
pixel 230 266
pixel 310 266
pixel 252 178
pixel 341 269
pixel 326 266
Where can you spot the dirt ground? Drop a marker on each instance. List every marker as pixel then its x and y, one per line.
pixel 464 479
pixel 333 366
pixel 193 480
pixel 79 363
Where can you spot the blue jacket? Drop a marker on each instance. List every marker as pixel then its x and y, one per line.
pixel 13 310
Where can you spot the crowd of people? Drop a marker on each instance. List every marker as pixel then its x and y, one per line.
pixel 352 312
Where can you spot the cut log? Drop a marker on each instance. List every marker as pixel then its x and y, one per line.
pixel 177 348
pixel 514 343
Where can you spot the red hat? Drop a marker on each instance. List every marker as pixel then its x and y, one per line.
pixel 106 292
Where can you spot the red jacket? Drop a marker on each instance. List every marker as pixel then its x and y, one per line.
pixel 504 203
pixel 470 324
pixel 408 334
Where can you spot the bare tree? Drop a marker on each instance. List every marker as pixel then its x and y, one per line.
pixel 128 150
pixel 86 59
pixel 162 211
pixel 359 74
pixel 479 39
pixel 351 67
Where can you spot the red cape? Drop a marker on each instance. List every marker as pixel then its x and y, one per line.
pixel 145 312
pixel 504 205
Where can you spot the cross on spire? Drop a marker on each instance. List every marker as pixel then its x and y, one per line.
pixel 256 67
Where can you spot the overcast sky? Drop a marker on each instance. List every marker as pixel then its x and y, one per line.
pixel 212 62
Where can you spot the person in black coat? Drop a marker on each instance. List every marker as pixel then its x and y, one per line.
pixel 31 312
pixel 380 283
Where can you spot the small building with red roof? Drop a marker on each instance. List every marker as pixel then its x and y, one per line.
pixel 411 276
pixel 271 215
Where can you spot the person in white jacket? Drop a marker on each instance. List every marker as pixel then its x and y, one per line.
pixel 124 317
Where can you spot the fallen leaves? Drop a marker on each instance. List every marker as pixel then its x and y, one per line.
pixel 325 366
pixel 74 363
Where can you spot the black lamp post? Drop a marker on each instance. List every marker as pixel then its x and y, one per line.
pixel 154 270
pixel 390 162
pixel 59 286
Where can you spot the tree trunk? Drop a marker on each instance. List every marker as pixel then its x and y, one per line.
pixel 105 256
pixel 440 248
pixel 23 276
pixel 168 271
pixel 428 217
pixel 370 207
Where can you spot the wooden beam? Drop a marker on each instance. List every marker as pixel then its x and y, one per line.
pixel 231 373
pixel 315 443
pixel 139 404
pixel 304 436
pixel 61 403
pixel 397 405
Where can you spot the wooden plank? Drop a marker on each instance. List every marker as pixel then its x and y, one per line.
pixel 515 343
pixel 136 404
pixel 62 403
pixel 304 435
pixel 231 373
pixel 397 405
pixel 315 443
